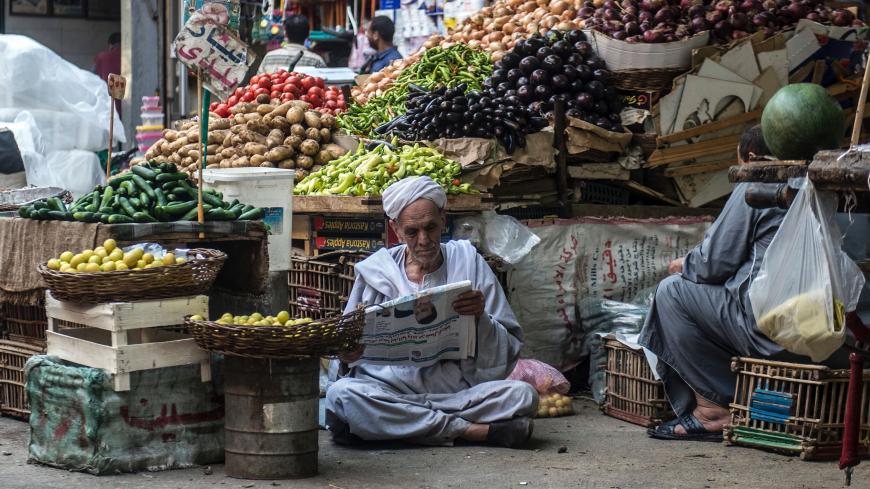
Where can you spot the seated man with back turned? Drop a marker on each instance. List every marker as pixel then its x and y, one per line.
pixel 452 399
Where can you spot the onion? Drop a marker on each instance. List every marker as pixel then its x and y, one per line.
pixel 842 18
pixel 566 26
pixel 652 36
pixel 739 21
pixel 496 36
pixel 509 28
pixel 697 11
pixel 568 14
pixel 497 55
pixel 558 7
pixel 474 44
pixel 645 16
pixel 497 46
pixel 586 12
pixel 651 4
pixel 500 12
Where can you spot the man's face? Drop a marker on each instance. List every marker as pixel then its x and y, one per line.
pixel 420 226
pixel 373 38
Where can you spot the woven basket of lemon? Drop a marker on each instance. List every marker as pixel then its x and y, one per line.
pixel 135 273
pixel 278 336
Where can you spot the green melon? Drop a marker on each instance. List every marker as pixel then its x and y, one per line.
pixel 801 119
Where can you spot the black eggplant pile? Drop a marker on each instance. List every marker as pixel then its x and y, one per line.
pixel 454 113
pixel 558 65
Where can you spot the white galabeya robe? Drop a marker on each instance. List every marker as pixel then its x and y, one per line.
pixel 434 404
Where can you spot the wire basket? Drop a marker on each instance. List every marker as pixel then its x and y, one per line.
pixel 320 285
pixel 646 80
pixel 330 336
pixel 798 409
pixel 192 277
pixel 13 356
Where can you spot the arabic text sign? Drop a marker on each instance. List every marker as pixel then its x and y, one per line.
pixel 117 86
pixel 211 48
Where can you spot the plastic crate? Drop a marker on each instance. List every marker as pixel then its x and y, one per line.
pixel 632 393
pixel 796 409
pixel 320 285
pixel 13 356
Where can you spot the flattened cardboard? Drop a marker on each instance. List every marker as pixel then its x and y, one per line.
pixel 741 60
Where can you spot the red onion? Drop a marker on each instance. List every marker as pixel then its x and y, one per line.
pixel 797 10
pixel 632 28
pixel 619 35
pixel 586 12
pixel 651 4
pixel 768 5
pixel 697 11
pixel 723 29
pixel 626 4
pixel 611 14
pixel 739 21
pixel 628 18
pixel 748 5
pixel 645 16
pixel 699 24
pixel 715 16
pixel 610 4
pixel 652 36
pixel 630 11
pixel 665 14
pixel 723 6
pixel 761 19
pixel 842 18
pixel 813 16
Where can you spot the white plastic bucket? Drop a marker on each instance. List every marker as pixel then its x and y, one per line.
pixel 269 188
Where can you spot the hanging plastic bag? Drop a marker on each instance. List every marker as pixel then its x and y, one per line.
pixel 806 283
pixel 496 234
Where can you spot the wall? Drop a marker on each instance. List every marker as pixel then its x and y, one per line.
pixel 76 40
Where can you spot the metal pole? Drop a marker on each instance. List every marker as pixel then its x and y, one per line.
pixel 182 70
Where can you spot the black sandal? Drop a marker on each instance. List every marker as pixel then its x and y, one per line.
pixel 695 431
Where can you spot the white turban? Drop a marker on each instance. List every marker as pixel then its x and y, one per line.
pixel 409 190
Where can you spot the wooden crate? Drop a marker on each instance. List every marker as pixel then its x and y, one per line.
pixel 632 393
pixel 13 356
pixel 24 320
pixel 797 409
pixel 319 286
pixel 124 337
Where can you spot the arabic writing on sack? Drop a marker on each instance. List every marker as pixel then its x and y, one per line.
pixel 213 49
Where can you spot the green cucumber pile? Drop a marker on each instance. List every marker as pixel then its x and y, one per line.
pixel 148 193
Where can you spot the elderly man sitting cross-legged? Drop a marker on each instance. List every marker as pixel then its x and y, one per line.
pixel 452 399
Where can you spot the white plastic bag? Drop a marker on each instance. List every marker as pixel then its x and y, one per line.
pixel 499 235
pixel 77 171
pixel 806 283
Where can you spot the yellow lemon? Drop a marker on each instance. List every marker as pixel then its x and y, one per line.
pixel 269 318
pixel 87 254
pixel 256 316
pixel 130 259
pixel 66 256
pixel 116 255
pixel 242 318
pixel 168 259
pixel 138 253
pixel 179 261
pixel 92 267
pixel 107 259
pixel 283 316
pixel 197 317
pixel 66 268
pixel 53 264
pixel 148 258
pixel 110 245
pixel 99 250
pixel 71 270
pixel 289 323
pixel 141 264
pixel 227 315
pixel 95 259
pixel 76 260
pixel 108 266
pixel 81 267
pixel 121 266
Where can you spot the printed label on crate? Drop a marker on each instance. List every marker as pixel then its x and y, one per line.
pixel 323 243
pixel 274 217
pixel 309 298
pixel 349 226
pixel 638 100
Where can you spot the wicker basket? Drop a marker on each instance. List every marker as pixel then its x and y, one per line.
pixel 192 277
pixel 320 285
pixel 646 80
pixel 331 336
pixel 632 393
pixel 24 320
pixel 794 408
pixel 13 356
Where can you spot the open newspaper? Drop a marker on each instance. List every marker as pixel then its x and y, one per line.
pixel 419 329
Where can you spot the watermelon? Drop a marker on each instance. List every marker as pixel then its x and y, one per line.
pixel 801 119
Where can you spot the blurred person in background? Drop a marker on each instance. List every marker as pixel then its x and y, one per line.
pixel 380 36
pixel 296 31
pixel 109 61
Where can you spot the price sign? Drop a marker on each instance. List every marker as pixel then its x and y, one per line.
pixel 213 49
pixel 117 86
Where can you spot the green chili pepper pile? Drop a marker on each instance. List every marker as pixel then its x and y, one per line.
pixel 370 172
pixel 437 67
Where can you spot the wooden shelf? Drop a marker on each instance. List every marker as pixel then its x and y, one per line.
pixel 372 205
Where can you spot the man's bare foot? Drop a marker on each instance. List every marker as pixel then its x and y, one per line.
pixel 712 417
pixel 476 432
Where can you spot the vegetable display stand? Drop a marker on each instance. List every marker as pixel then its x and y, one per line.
pixel 793 408
pixel 124 337
pixel 13 356
pixel 271 423
pixel 319 286
pixel 632 393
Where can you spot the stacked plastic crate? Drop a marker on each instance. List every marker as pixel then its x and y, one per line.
pixel 151 129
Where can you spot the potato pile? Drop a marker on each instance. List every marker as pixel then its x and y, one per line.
pixel 267 135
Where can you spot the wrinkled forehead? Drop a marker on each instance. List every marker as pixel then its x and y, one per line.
pixel 419 213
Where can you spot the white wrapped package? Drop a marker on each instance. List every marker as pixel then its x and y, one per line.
pixel 67 131
pixel 36 78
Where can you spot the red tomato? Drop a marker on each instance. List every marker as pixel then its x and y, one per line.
pixel 294 79
pixel 213 106
pixel 315 100
pixel 284 76
pixel 330 104
pixel 248 97
pixel 239 92
pixel 288 88
pixel 254 80
pixel 320 83
pixel 264 83
pixel 307 83
pixel 331 96
pixel 222 110
pixel 304 98
pixel 287 97
pixel 259 91
pixel 232 100
pixel 279 87
pixel 315 90
pixel 275 94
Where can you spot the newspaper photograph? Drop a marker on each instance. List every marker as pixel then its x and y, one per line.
pixel 419 329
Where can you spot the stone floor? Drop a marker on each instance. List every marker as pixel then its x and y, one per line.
pixel 587 450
